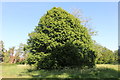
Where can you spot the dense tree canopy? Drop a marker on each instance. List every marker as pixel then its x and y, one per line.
pixel 60 40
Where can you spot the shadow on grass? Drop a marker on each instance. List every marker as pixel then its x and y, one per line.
pixel 108 73
pixel 70 74
pixel 74 74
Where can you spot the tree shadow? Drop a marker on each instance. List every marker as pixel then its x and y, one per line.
pixel 75 74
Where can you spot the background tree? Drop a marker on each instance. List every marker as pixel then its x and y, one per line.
pixel 16 54
pixel 21 54
pixel 119 54
pixel 6 57
pixel 116 56
pixel 11 52
pixel 2 50
pixel 60 41
pixel 104 55
pixel 2 46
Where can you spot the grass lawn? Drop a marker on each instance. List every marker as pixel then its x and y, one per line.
pixel 13 70
pixel 25 71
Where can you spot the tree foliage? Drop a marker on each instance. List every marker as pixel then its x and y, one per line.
pixel 60 40
pixel 14 55
pixel 21 54
pixel 1 50
pixel 116 56
pixel 105 55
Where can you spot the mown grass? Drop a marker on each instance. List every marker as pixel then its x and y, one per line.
pixel 13 70
pixel 25 71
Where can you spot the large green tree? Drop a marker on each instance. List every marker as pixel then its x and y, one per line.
pixel 60 40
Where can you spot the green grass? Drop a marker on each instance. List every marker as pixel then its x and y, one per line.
pixel 13 70
pixel 25 71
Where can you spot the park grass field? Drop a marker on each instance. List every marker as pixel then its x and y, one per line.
pixel 25 71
